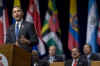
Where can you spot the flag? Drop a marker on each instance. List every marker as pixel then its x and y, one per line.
pixel 33 16
pixel 51 27
pixel 18 4
pixel 53 21
pixel 98 34
pixel 73 35
pixel 46 28
pixel 4 23
pixel 52 39
pixel 92 25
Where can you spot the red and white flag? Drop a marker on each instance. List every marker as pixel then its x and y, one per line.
pixel 3 23
pixel 98 34
pixel 33 16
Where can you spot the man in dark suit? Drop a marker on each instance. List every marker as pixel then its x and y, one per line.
pixel 88 55
pixel 52 57
pixel 22 33
pixel 76 59
pixel 87 49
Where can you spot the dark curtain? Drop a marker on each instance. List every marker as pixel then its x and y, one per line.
pixel 63 14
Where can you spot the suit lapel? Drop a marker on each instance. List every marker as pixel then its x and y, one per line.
pixel 21 28
pixel 79 62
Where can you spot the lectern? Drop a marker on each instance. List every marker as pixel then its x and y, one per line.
pixel 15 56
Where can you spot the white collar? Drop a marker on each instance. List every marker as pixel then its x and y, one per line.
pixel 19 21
pixel 88 56
pixel 76 59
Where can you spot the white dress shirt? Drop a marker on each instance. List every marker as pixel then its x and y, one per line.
pixel 74 61
pixel 51 59
pixel 88 58
pixel 19 23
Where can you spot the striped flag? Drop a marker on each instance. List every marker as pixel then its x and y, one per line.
pixel 98 34
pixel 4 23
pixel 73 35
pixel 51 26
pixel 92 25
pixel 53 21
pixel 33 16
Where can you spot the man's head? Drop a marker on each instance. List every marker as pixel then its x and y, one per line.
pixel 75 53
pixel 87 49
pixel 52 50
pixel 17 13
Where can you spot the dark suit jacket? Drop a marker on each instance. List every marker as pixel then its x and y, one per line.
pixel 27 30
pixel 93 56
pixel 57 58
pixel 81 62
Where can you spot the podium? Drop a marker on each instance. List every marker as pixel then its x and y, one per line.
pixel 14 55
pixel 95 63
pixel 57 64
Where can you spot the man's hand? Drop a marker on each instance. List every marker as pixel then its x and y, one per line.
pixel 17 44
pixel 24 40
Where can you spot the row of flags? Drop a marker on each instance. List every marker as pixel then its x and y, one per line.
pixel 46 34
pixel 93 26
pixel 50 32
pixel 51 27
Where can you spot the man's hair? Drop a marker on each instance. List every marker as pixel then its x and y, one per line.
pixel 52 46
pixel 77 49
pixel 18 7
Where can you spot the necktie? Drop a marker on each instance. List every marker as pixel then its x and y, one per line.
pixel 17 30
pixel 75 63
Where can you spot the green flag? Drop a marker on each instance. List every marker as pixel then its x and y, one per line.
pixel 50 27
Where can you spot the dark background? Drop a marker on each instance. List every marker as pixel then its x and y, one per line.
pixel 63 14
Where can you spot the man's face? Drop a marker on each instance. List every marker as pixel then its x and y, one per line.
pixel 75 53
pixel 17 13
pixel 86 49
pixel 52 51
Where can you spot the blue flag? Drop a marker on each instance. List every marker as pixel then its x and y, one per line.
pixel 92 25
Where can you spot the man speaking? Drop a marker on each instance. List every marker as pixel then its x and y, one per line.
pixel 22 33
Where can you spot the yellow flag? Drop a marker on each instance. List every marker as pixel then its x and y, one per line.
pixel 73 7
pixel 17 3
